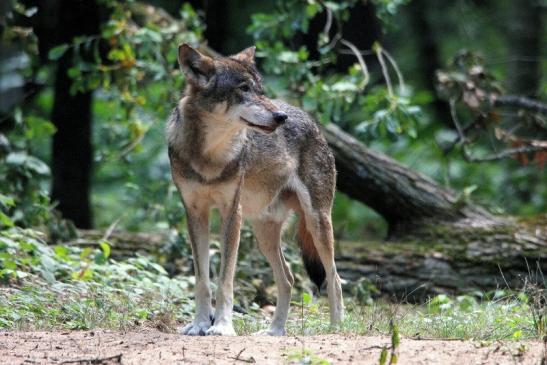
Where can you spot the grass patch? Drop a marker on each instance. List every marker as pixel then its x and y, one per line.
pixel 47 287
pixel 507 317
pixel 65 287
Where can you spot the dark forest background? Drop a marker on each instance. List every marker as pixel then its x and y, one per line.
pixel 435 110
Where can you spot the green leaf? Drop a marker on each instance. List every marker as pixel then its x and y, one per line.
pixel 312 9
pixel 37 166
pixel 16 158
pixel 344 86
pixel 6 201
pixel 105 247
pixel 517 335
pixel 468 190
pixel 412 132
pixel 73 72
pixel 86 252
pixel 57 52
pixel 306 298
pixel 5 220
pixel 392 124
pixel 288 57
pixel 61 252
pixel 48 263
pixel 39 127
pixel 383 356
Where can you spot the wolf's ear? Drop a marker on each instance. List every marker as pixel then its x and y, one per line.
pixel 247 55
pixel 197 67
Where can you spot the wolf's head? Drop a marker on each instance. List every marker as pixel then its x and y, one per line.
pixel 229 89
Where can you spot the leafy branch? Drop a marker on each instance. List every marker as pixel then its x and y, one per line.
pixel 469 85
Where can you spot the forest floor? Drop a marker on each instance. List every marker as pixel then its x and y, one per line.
pixel 149 346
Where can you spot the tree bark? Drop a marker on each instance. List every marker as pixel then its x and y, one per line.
pixel 71 115
pixel 216 23
pixel 438 242
pixel 444 261
pixel 428 55
pixel 525 41
pixel 400 195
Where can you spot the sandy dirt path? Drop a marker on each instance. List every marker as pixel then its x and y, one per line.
pixel 153 347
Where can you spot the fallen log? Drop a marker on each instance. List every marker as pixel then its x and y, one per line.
pixel 438 242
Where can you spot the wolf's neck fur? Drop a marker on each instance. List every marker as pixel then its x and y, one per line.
pixel 222 142
pixel 209 143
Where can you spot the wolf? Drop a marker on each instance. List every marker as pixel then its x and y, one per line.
pixel 234 149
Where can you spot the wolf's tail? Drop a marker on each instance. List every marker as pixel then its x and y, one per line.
pixel 312 262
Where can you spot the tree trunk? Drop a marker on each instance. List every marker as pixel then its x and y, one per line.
pixel 71 115
pixel 216 23
pixel 438 244
pixel 438 241
pixel 444 261
pixel 400 195
pixel 525 41
pixel 428 56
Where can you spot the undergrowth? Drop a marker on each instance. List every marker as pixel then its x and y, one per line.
pixel 68 287
pixel 508 317
pixel 47 287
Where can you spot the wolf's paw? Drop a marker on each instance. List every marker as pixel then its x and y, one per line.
pixel 271 332
pixel 221 329
pixel 196 329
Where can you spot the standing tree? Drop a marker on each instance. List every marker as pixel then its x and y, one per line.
pixel 524 35
pixel 71 115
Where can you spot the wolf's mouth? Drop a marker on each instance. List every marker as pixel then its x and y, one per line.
pixel 261 127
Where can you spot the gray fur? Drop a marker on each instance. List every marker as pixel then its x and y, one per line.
pixel 227 151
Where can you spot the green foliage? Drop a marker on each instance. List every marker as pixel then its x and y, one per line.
pixel 386 10
pixel 383 356
pixel 331 97
pixel 306 357
pixel 131 66
pixel 81 288
pixel 23 199
pixel 395 342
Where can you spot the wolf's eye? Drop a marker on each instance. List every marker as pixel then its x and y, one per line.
pixel 244 87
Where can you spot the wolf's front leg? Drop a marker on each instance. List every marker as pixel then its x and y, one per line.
pixel 231 222
pixel 198 229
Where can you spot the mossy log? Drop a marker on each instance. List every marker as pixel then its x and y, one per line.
pixel 437 242
pixel 125 244
pixel 402 196
pixel 449 259
pixel 442 259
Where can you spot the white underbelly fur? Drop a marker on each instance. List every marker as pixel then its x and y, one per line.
pixel 261 205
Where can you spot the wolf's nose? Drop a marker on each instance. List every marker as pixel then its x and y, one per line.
pixel 280 117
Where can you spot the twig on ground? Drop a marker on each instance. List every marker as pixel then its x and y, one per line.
pixel 249 360
pixel 96 361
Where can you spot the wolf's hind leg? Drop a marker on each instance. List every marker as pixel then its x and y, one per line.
pixel 321 229
pixel 318 223
pixel 268 235
pixel 198 228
